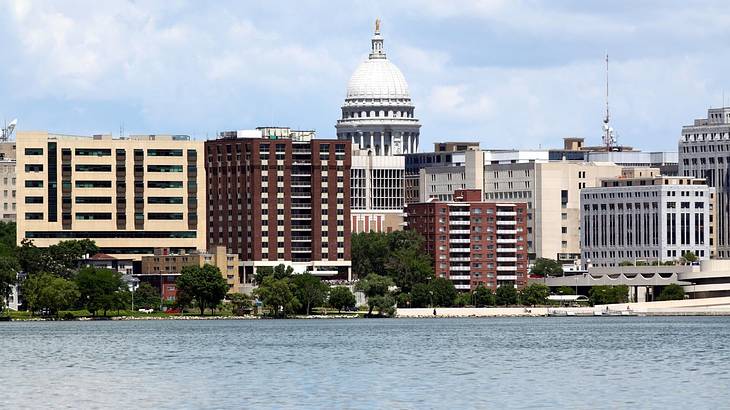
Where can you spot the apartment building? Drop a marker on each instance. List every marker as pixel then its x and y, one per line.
pixel 281 200
pixel 646 218
pixel 704 152
pixel 127 194
pixel 474 242
pixel 163 268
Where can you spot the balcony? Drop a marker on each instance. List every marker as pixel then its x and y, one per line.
pixel 460 268
pixel 460 277
pixel 506 231
pixel 507 268
pixel 506 213
pixel 459 259
pixel 459 231
pixel 506 259
pixel 459 240
pixel 506 250
pixel 459 213
pixel 506 222
pixel 506 277
pixel 507 240
pixel 459 222
pixel 462 287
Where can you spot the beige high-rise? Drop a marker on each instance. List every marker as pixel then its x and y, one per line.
pixel 130 195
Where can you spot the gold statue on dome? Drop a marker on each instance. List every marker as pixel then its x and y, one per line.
pixel 377 25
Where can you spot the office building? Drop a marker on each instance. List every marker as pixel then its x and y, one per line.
pixel 474 242
pixel 704 152
pixel 127 194
pixel 650 219
pixel 282 198
pixel 377 192
pixel 7 181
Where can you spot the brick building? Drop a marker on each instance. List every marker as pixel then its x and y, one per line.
pixel 472 241
pixel 283 198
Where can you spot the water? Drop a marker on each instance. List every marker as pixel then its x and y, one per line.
pixel 496 363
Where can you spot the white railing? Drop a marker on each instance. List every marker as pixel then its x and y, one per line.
pixel 506 213
pixel 510 240
pixel 459 240
pixel 506 277
pixel 507 268
pixel 459 222
pixel 459 231
pixel 506 232
pixel 459 213
pixel 460 268
pixel 506 222
pixel 506 259
pixel 462 287
pixel 460 277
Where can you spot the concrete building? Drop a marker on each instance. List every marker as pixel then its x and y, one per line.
pixel 281 200
pixel 376 191
pixel 127 194
pixel 704 152
pixel 104 261
pixel 378 114
pixel 445 154
pixel 645 218
pixel 163 268
pixel 7 179
pixel 472 241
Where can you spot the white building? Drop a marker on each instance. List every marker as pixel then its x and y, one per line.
pixel 649 219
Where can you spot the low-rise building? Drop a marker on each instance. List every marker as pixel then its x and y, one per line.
pixel 104 261
pixel 473 242
pixel 646 218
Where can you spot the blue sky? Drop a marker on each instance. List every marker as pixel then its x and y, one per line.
pixel 510 74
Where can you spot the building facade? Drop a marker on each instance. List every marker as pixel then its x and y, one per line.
pixel 376 192
pixel 378 114
pixel 281 201
pixel 648 219
pixel 704 152
pixel 474 242
pixel 128 194
pixel 7 179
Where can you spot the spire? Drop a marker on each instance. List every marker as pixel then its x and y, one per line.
pixel 377 51
pixel 609 139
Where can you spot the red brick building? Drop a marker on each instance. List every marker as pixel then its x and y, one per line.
pixel 281 199
pixel 473 241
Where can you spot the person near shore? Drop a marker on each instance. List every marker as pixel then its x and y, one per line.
pixel 434 312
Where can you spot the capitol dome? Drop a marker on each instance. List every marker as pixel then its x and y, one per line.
pixel 378 115
pixel 378 79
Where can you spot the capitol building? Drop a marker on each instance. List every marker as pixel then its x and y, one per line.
pixel 378 113
pixel 378 117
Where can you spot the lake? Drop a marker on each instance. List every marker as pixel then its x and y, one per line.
pixel 533 363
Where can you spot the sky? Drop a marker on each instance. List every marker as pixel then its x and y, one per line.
pixel 509 74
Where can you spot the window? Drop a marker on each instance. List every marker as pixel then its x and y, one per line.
pixel 164 184
pixel 92 216
pixel 33 215
pixel 93 200
pixel 33 199
pixel 164 216
pixel 33 184
pixel 164 152
pixel 93 152
pixel 93 184
pixel 34 151
pixel 93 168
pixel 164 200
pixel 33 167
pixel 164 168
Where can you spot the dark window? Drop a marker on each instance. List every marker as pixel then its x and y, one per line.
pixel 34 184
pixel 93 168
pixel 33 167
pixel 164 152
pixel 34 151
pixel 164 168
pixel 93 152
pixel 165 200
pixel 92 216
pixel 164 216
pixel 93 200
pixel 93 184
pixel 33 199
pixel 164 184
pixel 33 215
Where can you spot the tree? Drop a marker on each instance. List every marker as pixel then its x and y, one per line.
pixel 421 295
pixel 409 267
pixel 384 303
pixel 535 294
pixel 671 292
pixel 278 295
pixel 463 299
pixel 46 292
pixel 369 252
pixel 98 288
pixel 341 298
pixel 505 295
pixel 205 285
pixel 483 296
pixel 444 292
pixel 546 267
pixel 309 290
pixel 8 278
pixel 7 239
pixel 566 290
pixel 626 263
pixel 32 259
pixel 374 285
pixel 280 271
pixel 66 255
pixel 241 303
pixel 689 258
pixel 147 296
pixel 604 294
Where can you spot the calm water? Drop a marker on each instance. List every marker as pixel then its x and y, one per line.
pixel 429 363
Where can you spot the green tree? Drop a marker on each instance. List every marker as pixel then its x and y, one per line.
pixel 46 292
pixel 409 267
pixel 604 294
pixel 205 285
pixel 280 271
pixel 444 292
pixel 98 288
pixel 309 290
pixel 7 239
pixel 463 299
pixel 546 267
pixel 32 259
pixel 146 296
pixel 421 295
pixel 505 295
pixel 384 303
pixel 278 296
pixel 534 294
pixel 483 296
pixel 240 302
pixel 671 292
pixel 341 298
pixel 689 258
pixel 8 278
pixel 369 250
pixel 372 286
pixel 566 290
pixel 66 255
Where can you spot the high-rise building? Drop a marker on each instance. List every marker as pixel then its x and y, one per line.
pixel 704 152
pixel 129 194
pixel 282 198
pixel 7 181
pixel 474 242
pixel 376 192
pixel 657 218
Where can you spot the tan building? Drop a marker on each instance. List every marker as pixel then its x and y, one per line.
pixel 376 192
pixel 163 268
pixel 7 181
pixel 129 194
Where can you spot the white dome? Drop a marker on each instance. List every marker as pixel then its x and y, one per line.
pixel 377 79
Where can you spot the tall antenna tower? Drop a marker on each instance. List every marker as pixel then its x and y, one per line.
pixel 609 139
pixel 7 130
